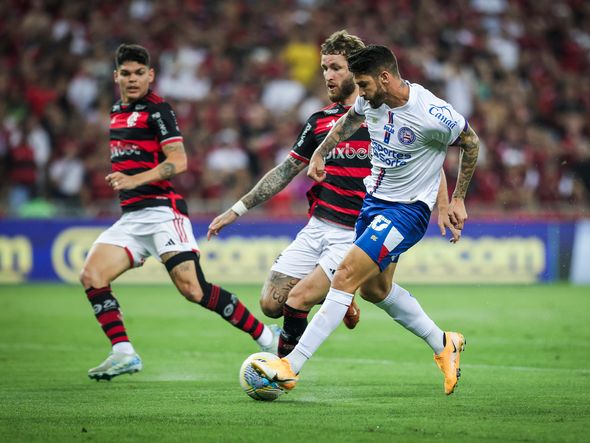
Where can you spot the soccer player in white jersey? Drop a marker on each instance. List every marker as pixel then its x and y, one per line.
pixel 410 130
pixel 301 276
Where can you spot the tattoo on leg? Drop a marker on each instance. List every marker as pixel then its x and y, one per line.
pixel 179 269
pixel 278 286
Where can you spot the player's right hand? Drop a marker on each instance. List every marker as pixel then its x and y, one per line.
pixel 316 170
pixel 227 218
pixel 444 223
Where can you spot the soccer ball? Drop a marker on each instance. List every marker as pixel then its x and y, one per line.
pixel 254 384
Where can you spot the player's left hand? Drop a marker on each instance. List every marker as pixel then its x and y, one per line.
pixel 119 181
pixel 444 223
pixel 457 213
pixel 316 169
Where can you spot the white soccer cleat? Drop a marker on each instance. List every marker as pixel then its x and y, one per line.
pixel 117 363
pixel 273 347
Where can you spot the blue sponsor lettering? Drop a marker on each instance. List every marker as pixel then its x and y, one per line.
pixel 388 156
pixel 444 115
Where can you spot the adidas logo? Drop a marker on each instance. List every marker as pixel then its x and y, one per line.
pixel 170 243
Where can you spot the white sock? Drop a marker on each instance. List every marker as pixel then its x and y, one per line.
pixel 124 347
pixel 265 338
pixel 405 309
pixel 321 326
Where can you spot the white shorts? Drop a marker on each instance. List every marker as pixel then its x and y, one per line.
pixel 319 242
pixel 150 232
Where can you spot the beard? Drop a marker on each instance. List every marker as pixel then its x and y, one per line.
pixel 345 90
pixel 378 99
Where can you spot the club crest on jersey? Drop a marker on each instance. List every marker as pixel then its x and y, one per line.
pixel 132 119
pixel 406 136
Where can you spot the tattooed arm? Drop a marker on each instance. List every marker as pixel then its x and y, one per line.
pixel 346 125
pixel 469 145
pixel 175 163
pixel 271 184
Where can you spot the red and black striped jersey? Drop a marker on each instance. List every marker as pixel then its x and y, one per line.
pixel 138 132
pixel 340 196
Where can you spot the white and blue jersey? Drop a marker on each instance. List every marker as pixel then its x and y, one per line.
pixel 408 148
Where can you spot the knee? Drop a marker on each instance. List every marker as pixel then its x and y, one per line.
pixel 270 307
pixel 344 279
pixel 92 278
pixel 190 290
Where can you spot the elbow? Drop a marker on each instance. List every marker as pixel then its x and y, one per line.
pixel 181 167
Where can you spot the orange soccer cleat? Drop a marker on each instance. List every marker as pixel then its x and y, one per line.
pixel 277 370
pixel 448 360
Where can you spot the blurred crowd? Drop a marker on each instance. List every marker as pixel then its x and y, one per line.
pixel 243 76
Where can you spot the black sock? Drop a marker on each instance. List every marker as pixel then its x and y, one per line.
pixel 108 313
pixel 294 324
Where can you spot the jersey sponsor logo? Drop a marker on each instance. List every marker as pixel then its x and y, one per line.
pixel 348 152
pixel 303 134
pixel 120 149
pixel 140 107
pixel 331 111
pixel 389 128
pixel 444 115
pixel 379 223
pixel 406 136
pixel 175 120
pixel 132 119
pixel 158 117
pixel 388 156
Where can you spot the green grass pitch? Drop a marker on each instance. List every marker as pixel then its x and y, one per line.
pixel 526 372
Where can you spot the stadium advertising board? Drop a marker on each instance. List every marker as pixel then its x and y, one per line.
pixel 507 252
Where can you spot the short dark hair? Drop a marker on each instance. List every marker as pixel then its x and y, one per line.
pixel 131 53
pixel 373 60
pixel 341 43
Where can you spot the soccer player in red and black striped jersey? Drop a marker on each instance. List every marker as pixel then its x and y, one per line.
pixel 147 150
pixel 300 277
